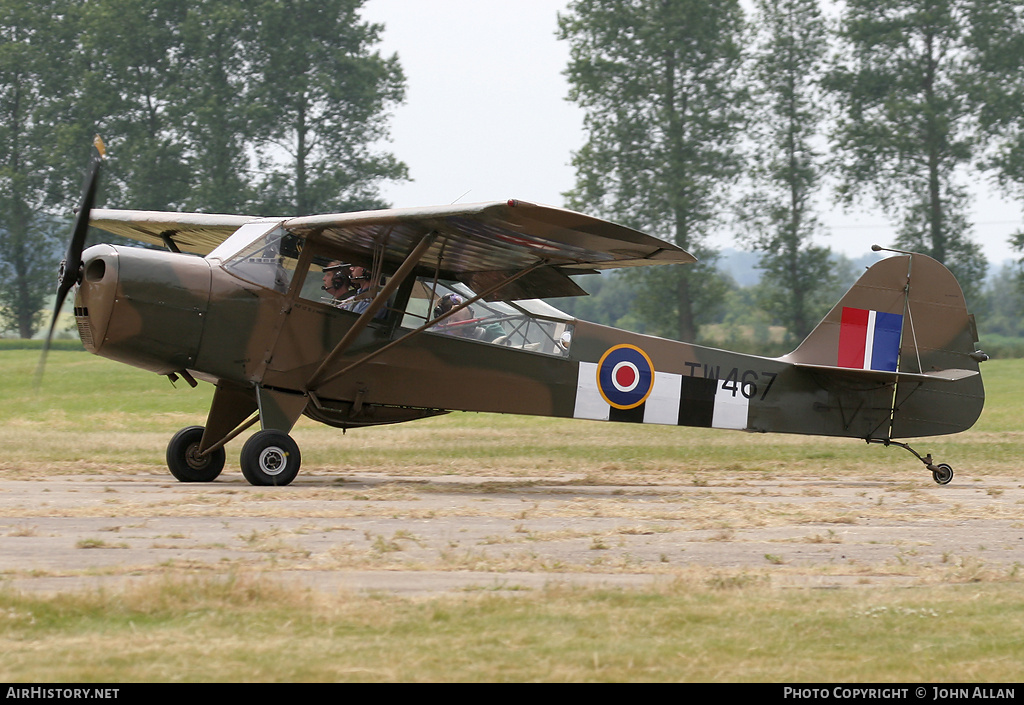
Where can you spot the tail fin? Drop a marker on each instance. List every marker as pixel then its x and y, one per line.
pixel 904 322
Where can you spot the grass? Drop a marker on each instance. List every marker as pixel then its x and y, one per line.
pixel 100 420
pixel 236 629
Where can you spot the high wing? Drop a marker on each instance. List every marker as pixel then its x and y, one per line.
pixel 476 243
pixel 198 233
pixel 481 244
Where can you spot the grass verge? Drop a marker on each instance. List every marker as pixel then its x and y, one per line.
pixel 694 629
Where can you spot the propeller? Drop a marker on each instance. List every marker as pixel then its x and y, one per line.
pixel 69 273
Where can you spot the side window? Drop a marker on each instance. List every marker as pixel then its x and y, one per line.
pixel 494 322
pixel 343 285
pixel 328 281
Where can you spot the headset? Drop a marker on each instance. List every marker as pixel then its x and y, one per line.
pixel 446 304
pixel 340 279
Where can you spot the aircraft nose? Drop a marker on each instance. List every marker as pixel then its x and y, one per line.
pixel 143 307
pixel 96 295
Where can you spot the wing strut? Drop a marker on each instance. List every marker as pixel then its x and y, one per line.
pixel 376 305
pixel 429 324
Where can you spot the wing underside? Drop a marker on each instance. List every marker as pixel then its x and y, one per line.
pixel 473 243
pixel 198 233
pixel 481 243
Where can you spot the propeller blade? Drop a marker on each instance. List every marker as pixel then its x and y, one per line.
pixel 68 273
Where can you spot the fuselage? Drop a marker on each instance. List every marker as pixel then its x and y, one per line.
pixel 244 319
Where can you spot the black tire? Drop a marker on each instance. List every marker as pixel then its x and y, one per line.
pixel 184 461
pixel 942 474
pixel 270 458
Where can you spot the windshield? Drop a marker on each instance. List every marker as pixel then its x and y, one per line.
pixel 268 261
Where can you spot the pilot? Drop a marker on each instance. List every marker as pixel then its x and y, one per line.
pixel 338 282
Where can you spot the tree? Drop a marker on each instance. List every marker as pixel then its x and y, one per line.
pixel 192 95
pixel 324 96
pixel 215 113
pixel 1000 308
pixel 610 300
pixel 788 171
pixel 169 85
pixel 906 130
pixel 659 81
pixel 132 91
pixel 997 37
pixel 29 58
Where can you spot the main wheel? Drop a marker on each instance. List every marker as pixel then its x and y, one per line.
pixel 942 474
pixel 184 461
pixel 270 458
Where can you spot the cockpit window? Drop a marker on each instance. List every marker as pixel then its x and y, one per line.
pixel 532 326
pixel 268 261
pixel 328 281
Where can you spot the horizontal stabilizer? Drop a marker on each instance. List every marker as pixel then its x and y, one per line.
pixel 951 375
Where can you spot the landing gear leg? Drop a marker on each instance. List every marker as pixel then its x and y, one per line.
pixel 941 473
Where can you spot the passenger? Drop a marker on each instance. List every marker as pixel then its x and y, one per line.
pixel 460 322
pixel 446 303
pixel 365 290
pixel 361 297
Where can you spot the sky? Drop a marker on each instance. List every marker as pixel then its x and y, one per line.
pixel 486 118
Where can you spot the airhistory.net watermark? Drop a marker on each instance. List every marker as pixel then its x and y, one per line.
pixel 47 693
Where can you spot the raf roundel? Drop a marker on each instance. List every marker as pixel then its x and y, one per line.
pixel 625 376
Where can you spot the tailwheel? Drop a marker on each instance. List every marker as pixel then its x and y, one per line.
pixel 186 463
pixel 270 458
pixel 942 473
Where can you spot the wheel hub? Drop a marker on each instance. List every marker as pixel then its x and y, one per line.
pixel 195 460
pixel 273 461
